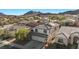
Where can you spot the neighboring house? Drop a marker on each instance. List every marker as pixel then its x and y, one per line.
pixel 30 24
pixel 16 27
pixel 67 35
pixel 23 23
pixel 7 27
pixel 68 22
pixel 55 21
pixel 77 22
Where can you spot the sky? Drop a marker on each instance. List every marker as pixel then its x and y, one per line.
pixel 22 11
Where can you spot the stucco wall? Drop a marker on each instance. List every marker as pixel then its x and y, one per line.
pixel 41 39
pixel 41 31
pixel 65 40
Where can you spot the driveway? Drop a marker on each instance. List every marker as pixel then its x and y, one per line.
pixel 33 44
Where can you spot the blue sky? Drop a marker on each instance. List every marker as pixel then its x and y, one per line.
pixel 22 11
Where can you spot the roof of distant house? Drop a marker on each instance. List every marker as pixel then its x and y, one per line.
pixel 68 30
pixel 32 24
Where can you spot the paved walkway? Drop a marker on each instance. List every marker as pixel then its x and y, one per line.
pixel 5 42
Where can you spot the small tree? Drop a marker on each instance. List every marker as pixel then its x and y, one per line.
pixel 4 34
pixel 62 18
pixel 22 33
pixel 1 32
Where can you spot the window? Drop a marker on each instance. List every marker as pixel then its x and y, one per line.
pixel 45 31
pixel 75 39
pixel 32 30
pixel 36 30
pixel 60 40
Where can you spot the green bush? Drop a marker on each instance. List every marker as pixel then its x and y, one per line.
pixel 22 33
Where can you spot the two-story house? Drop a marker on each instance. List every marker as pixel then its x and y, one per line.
pixel 41 32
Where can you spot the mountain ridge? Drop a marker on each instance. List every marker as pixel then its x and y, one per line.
pixel 74 12
pixel 41 13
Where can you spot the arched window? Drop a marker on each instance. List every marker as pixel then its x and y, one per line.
pixel 75 39
pixel 62 36
pixel 60 40
pixel 72 34
pixel 36 30
pixel 75 36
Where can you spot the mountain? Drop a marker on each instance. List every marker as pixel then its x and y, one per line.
pixel 1 14
pixel 34 13
pixel 74 12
